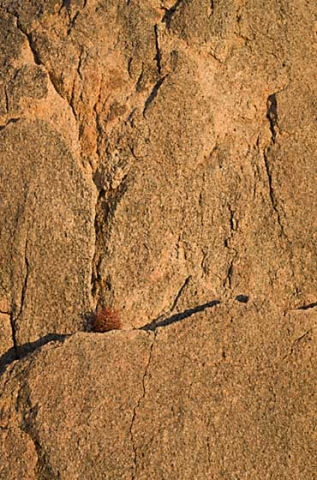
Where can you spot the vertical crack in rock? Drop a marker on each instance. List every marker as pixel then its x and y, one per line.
pixel 179 294
pixel 95 273
pixel 272 193
pixel 211 8
pixel 158 56
pixel 98 122
pixel 165 318
pixel 153 94
pixel 28 426
pixel 28 37
pixel 138 86
pixel 67 4
pixel 106 206
pixel 13 333
pixel 272 116
pixel 7 104
pixel 25 283
pixel 38 61
pixel 233 225
pixel 15 315
pixel 138 406
pixel 228 279
pixel 72 100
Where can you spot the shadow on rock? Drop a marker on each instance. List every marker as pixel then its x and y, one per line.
pixel 177 317
pixel 23 350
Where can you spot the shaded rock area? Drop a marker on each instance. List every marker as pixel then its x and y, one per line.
pixel 158 158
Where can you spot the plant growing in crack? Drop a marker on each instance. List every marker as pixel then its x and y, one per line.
pixel 105 320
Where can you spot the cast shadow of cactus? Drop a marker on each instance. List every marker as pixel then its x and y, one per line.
pixel 177 317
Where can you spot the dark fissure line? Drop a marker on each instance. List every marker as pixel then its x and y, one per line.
pixel 307 307
pixel 158 51
pixel 272 115
pixel 170 12
pixel 36 57
pixel 179 316
pixel 18 352
pixel 13 334
pixel 271 191
pixel 12 120
pixel 180 292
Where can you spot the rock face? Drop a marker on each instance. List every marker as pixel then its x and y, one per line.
pixel 227 393
pixel 158 158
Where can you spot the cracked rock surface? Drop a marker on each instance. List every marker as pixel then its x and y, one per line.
pixel 158 158
pixel 197 399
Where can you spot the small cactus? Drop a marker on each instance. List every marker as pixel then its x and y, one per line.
pixel 105 320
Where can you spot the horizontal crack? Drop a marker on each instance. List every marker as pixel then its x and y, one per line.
pixel 307 307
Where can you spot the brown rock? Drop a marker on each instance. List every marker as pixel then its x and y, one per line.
pixel 158 156
pixel 197 399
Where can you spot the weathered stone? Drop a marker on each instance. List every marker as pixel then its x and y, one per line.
pixel 157 158
pixel 221 394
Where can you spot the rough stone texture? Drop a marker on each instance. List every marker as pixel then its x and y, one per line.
pixel 47 201
pixel 158 158
pixel 227 393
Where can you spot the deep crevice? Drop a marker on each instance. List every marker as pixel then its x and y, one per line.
pixel 14 338
pixel 66 5
pixel 271 115
pixel 28 36
pixel 158 56
pixel 167 18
